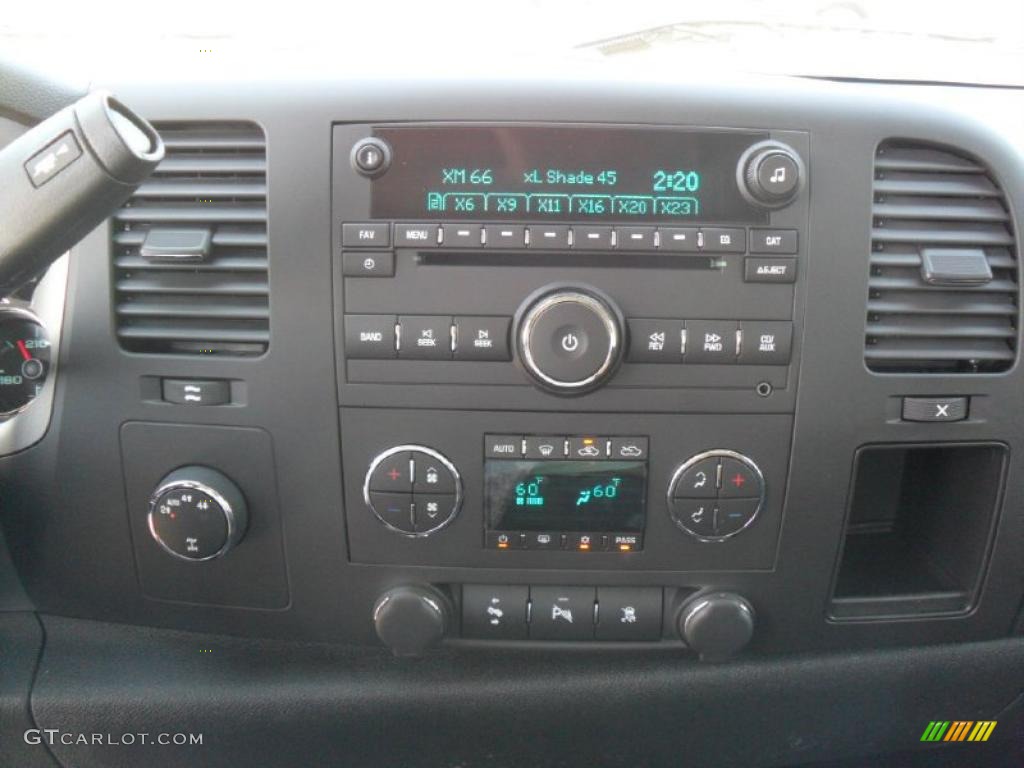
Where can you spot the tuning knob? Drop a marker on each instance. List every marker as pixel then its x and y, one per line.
pixel 569 338
pixel 197 514
pixel 770 174
pixel 411 619
pixel 717 625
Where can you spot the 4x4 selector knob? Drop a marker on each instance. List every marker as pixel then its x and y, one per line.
pixel 197 514
pixel 770 174
pixel 569 338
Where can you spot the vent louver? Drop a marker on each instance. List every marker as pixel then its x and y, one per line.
pixel 931 202
pixel 211 188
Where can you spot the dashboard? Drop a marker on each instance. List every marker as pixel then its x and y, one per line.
pixel 715 386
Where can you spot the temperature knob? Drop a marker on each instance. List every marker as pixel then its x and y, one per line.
pixel 770 174
pixel 197 514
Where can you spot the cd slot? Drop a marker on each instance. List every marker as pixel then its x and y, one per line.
pixel 592 260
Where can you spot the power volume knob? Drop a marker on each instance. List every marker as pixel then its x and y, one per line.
pixel 770 174
pixel 569 338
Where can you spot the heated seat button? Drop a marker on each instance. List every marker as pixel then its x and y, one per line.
pixel 627 613
pixel 393 473
pixel 562 613
pixel 700 480
pixel 710 341
pixel 695 515
pixel 735 515
pixel 494 613
pixel 425 337
pixel 482 338
pixel 739 480
pixel 369 336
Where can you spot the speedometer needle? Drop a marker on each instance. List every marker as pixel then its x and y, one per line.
pixel 23 349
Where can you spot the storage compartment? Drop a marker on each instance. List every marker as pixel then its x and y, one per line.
pixel 918 529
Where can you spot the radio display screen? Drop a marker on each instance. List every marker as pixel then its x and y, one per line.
pixel 562 173
pixel 598 496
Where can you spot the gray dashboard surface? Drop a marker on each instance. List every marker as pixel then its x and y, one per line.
pixel 67 520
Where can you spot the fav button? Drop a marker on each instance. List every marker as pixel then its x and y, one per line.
pixel 626 613
pixel 562 613
pixel 366 235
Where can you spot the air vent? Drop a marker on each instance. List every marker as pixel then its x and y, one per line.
pixel 943 285
pixel 190 247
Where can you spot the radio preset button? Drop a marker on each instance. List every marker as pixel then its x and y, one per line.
pixel 683 239
pixel 482 338
pixel 710 341
pixel 699 480
pixel 592 238
pixel 545 448
pixel 503 446
pixel 461 235
pixel 773 241
pixel 505 235
pixel 766 342
pixel 416 235
pixel 769 270
pixel 721 240
pixel 635 238
pixel 562 613
pixel 655 341
pixel 369 337
pixel 425 337
pixel 368 264
pixel 542 237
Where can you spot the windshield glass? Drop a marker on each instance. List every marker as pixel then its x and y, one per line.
pixel 917 40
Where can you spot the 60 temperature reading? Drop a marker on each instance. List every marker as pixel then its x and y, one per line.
pixel 599 491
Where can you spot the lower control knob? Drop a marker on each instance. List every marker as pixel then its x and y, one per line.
pixel 197 514
pixel 569 339
pixel 716 625
pixel 411 619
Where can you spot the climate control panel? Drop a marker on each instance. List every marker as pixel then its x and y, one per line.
pixel 413 490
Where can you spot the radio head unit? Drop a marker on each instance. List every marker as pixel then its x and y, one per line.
pixel 563 173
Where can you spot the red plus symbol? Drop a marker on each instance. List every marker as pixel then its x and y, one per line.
pixel 394 474
pixel 739 480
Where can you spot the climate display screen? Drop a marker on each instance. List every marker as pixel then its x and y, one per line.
pixel 597 496
pixel 562 173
